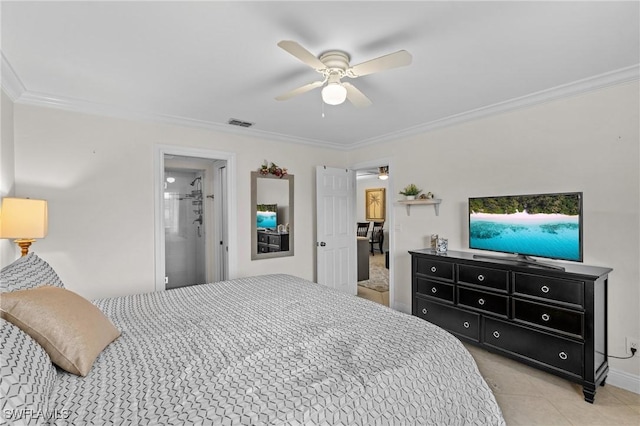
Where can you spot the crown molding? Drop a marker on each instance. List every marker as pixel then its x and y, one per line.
pixel 16 90
pixel 620 76
pixel 95 108
pixel 9 80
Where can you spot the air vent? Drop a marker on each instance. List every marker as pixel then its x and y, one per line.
pixel 236 122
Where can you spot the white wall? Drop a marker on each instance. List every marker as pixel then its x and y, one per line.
pixel 97 174
pixel 8 249
pixel 587 143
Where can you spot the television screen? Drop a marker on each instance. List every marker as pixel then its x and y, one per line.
pixel 267 216
pixel 543 225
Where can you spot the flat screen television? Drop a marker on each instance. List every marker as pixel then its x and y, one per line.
pixel 541 225
pixel 267 216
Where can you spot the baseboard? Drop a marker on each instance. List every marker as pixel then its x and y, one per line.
pixel 624 380
pixel 398 306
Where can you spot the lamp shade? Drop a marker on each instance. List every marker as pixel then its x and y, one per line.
pixel 23 218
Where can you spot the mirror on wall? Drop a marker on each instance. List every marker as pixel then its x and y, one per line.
pixel 271 216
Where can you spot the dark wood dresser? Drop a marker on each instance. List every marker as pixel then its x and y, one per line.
pixel 270 241
pixel 551 319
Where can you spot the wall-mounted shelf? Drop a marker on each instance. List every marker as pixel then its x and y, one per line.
pixel 435 202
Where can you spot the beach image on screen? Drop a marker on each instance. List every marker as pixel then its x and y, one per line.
pixel 267 216
pixel 536 225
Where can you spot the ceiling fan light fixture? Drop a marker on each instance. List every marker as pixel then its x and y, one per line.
pixel 383 173
pixel 334 94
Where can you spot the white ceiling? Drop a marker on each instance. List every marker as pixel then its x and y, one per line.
pixel 202 63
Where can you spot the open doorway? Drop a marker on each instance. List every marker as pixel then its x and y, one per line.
pixel 194 214
pixel 185 229
pixel 374 215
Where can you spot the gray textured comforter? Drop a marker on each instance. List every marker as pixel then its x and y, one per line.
pixel 273 350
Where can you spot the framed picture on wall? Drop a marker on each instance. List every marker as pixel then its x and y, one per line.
pixel 375 204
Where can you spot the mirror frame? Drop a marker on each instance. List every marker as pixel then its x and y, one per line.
pixel 254 229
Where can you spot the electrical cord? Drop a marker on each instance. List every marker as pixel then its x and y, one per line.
pixel 633 353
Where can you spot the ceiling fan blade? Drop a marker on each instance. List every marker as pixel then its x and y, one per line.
pixel 301 53
pixel 400 58
pixel 299 90
pixel 356 97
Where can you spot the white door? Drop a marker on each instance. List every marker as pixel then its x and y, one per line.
pixel 222 246
pixel 336 228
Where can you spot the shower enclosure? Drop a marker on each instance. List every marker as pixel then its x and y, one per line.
pixel 184 224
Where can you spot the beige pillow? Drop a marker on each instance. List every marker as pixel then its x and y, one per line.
pixel 71 329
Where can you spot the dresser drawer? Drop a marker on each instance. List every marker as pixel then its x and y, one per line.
pixel 451 319
pixel 486 277
pixel 274 239
pixel 263 238
pixel 435 289
pixel 434 268
pixel 488 302
pixel 563 320
pixel 555 289
pixel 551 350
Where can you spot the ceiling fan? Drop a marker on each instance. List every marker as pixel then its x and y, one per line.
pixel 334 66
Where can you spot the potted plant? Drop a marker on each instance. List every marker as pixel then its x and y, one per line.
pixel 410 191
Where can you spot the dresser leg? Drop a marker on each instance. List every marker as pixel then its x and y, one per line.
pixel 603 381
pixel 589 392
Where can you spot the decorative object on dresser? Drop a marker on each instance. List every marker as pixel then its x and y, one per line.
pixel 434 241
pixel 554 320
pixel 442 245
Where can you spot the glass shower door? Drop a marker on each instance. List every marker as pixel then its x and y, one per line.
pixel 184 228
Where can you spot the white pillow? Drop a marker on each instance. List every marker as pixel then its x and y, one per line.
pixel 26 374
pixel 28 272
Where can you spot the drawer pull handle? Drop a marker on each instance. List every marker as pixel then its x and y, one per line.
pixel 434 269
pixel 480 302
pixel 545 289
pixel 434 290
pixel 563 355
pixel 496 334
pixel 480 277
pixel 424 311
pixel 466 324
pixel 545 317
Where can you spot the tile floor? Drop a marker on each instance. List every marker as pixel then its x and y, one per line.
pixel 528 396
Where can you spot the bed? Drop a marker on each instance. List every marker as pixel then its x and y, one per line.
pixel 272 349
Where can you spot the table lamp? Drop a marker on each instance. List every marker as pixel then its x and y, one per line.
pixel 23 219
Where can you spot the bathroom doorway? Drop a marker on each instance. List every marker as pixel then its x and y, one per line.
pixel 194 216
pixel 185 228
